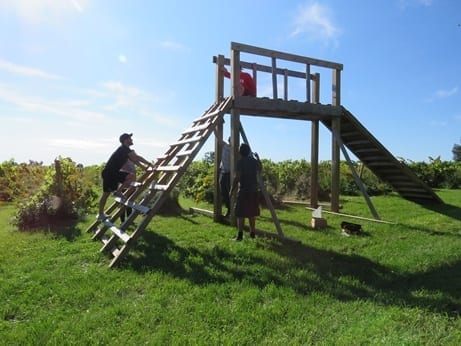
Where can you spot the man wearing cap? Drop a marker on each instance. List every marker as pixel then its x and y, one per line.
pixel 112 175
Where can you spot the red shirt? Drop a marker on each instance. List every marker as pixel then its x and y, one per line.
pixel 247 82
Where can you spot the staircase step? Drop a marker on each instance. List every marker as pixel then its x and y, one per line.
pixel 119 233
pixel 141 208
pixel 197 128
pixel 186 141
pixel 373 155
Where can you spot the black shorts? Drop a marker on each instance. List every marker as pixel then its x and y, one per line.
pixel 247 204
pixel 111 179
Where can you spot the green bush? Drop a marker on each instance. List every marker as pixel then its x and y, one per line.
pixel 20 180
pixel 65 194
pixel 198 181
pixel 438 173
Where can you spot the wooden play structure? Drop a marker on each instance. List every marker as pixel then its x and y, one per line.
pixel 153 187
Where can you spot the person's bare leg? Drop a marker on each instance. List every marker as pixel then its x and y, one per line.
pixel 102 202
pixel 252 222
pixel 240 226
pixel 130 178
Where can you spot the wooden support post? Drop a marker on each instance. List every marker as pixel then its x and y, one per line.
pixel 335 164
pixel 336 128
pixel 217 208
pixel 336 88
pixel 314 193
pixel 235 126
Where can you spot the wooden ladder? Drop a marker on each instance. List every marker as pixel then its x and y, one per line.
pixel 149 193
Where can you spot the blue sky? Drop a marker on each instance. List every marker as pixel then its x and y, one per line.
pixel 75 74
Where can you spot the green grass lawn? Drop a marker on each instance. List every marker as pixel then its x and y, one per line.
pixel 186 283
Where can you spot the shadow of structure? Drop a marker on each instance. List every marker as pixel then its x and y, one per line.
pixel 346 277
pixel 445 209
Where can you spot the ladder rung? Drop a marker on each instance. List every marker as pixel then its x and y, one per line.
pixel 186 141
pixel 185 153
pixel 196 129
pixel 208 115
pixel 357 142
pixel 105 239
pixel 99 232
pixel 169 168
pixel 159 187
pixel 139 207
pixel 119 233
pixel 115 251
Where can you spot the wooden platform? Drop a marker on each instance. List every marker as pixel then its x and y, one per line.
pixel 270 108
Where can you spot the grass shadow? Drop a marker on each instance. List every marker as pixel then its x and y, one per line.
pixel 305 269
pixel 66 228
pixel 449 210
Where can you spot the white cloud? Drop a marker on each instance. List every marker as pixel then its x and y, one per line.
pixel 172 45
pixel 315 21
pixel 446 93
pixel 403 4
pixel 75 143
pixel 437 123
pixel 37 105
pixel 26 71
pixel 77 5
pixel 127 97
pixel 37 11
pixel 443 94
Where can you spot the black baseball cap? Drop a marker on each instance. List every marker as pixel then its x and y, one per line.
pixel 125 136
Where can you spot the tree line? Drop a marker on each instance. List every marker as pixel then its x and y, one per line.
pixel 67 190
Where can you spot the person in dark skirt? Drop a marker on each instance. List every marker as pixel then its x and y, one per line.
pixel 247 203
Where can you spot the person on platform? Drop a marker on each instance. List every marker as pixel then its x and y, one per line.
pixel 247 85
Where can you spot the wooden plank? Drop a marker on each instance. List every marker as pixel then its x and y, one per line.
pixel 169 168
pixel 185 153
pixel 160 187
pixel 186 141
pixel 119 233
pixel 353 216
pixel 285 109
pixel 197 128
pixel 201 211
pixel 141 208
pixel 285 56
pixel 268 69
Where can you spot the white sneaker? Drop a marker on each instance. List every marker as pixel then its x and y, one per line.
pixel 102 217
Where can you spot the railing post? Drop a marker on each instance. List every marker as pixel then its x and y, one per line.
pixel 308 83
pixel 274 78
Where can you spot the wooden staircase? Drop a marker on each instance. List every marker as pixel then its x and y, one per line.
pixel 381 162
pixel 147 196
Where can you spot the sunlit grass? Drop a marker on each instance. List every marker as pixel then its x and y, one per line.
pixel 186 283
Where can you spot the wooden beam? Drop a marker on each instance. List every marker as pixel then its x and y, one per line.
pixel 285 109
pixel 285 56
pixel 354 217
